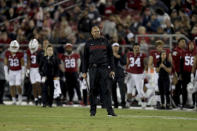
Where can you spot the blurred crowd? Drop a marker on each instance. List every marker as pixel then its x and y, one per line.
pixel 120 20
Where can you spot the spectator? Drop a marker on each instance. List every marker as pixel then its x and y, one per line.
pixel 109 27
pixel 143 39
pixel 174 16
pixel 121 33
pixel 84 24
pixel 134 4
pixel 194 32
pixel 130 39
pixel 174 6
pixel 135 24
pixel 39 16
pixel 153 24
pixel 155 4
pixel 146 17
pixel 193 20
pixel 169 27
pixel 109 8
pixel 162 17
pixel 11 14
pixel 93 15
pixel 30 29
pixel 4 39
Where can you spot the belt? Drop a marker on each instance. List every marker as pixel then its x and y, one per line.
pixel 97 65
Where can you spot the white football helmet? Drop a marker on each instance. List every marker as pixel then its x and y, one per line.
pixel 14 46
pixel 33 45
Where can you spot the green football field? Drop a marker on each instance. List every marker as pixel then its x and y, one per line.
pixel 31 118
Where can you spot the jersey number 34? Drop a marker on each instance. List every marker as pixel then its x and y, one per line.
pixel 134 62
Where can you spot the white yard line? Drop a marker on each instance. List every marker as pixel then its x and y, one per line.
pixel 161 117
pixel 121 116
pixel 130 108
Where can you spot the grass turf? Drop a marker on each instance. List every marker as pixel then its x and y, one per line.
pixel 30 118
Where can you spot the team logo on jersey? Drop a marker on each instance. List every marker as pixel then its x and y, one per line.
pixel 174 53
pixel 157 56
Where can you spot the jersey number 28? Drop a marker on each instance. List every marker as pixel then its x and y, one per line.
pixel 70 63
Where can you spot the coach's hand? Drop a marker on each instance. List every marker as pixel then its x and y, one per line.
pixel 56 78
pixel 84 75
pixel 112 74
pixel 43 79
pixel 27 73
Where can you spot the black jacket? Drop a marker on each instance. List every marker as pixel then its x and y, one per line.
pixel 49 67
pixel 99 52
pixel 162 73
pixel 119 63
pixel 39 56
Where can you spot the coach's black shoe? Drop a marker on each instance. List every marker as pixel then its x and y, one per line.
pixel 116 106
pixel 103 106
pixel 111 114
pixel 125 107
pixel 162 107
pixel 188 106
pixel 44 105
pixel 168 107
pixel 181 107
pixel 92 114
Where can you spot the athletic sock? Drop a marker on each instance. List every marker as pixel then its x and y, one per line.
pixel 13 100
pixel 20 99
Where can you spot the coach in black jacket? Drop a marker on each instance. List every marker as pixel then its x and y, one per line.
pixel 98 58
pixel 49 70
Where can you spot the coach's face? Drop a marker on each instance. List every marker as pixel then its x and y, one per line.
pixel 95 32
pixel 49 51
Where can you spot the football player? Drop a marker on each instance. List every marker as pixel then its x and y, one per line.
pixel 135 69
pixel 71 62
pixel 151 86
pixel 155 54
pixel 178 60
pixel 14 70
pixel 33 70
pixel 188 57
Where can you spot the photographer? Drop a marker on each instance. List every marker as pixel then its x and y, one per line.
pixel 164 69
